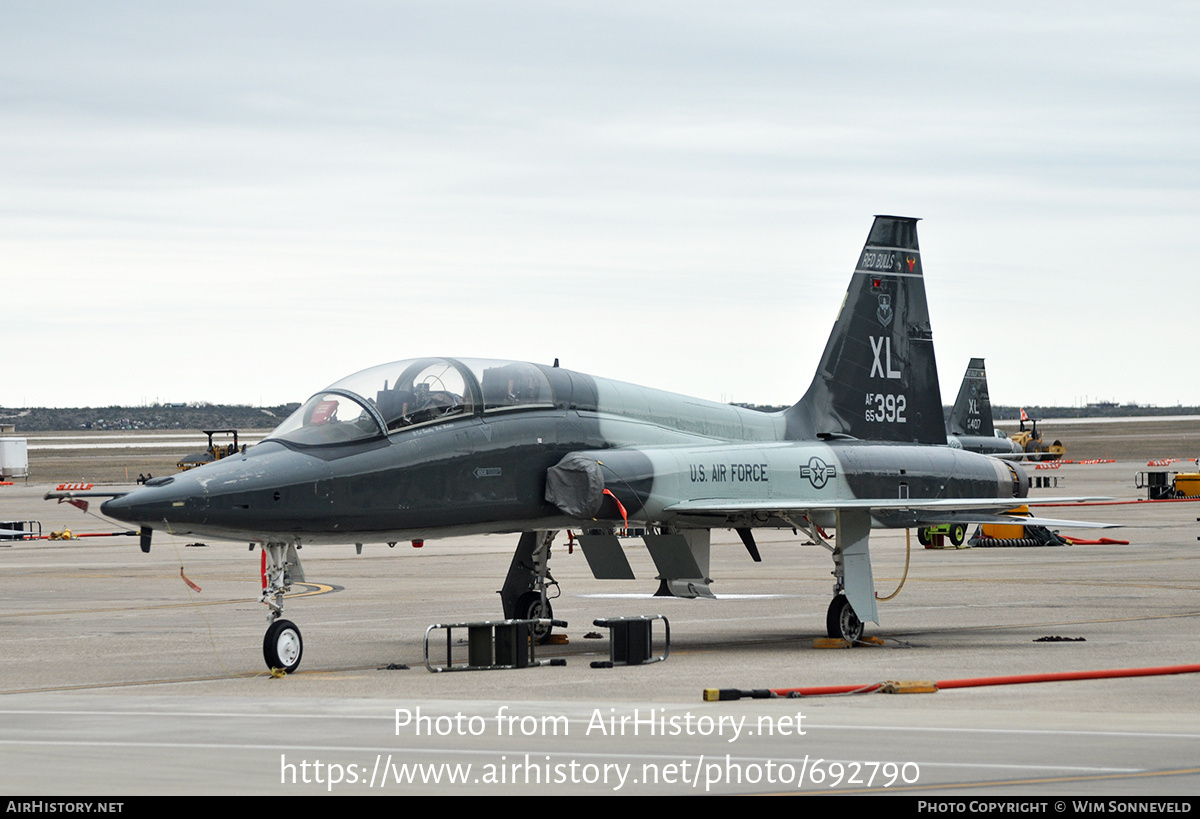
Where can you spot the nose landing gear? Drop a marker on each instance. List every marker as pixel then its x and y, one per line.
pixel 282 645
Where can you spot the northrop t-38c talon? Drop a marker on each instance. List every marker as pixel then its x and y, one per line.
pixel 439 446
pixel 970 425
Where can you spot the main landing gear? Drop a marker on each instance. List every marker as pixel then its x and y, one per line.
pixel 533 606
pixel 853 586
pixel 524 595
pixel 282 645
pixel 842 622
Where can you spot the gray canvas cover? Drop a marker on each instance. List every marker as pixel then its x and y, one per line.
pixel 576 486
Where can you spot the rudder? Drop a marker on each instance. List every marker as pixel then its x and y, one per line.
pixel 878 379
pixel 972 413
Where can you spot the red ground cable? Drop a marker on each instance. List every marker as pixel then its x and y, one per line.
pixel 1116 503
pixel 1063 676
pixel 712 695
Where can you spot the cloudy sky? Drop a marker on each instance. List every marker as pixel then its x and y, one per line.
pixel 243 202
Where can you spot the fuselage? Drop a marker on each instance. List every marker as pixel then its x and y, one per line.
pixel 373 459
pixel 997 445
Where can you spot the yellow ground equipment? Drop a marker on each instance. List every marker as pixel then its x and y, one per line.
pixel 1166 485
pixel 1030 441
pixel 1021 532
pixel 215 452
pixel 956 532
pixel 1024 533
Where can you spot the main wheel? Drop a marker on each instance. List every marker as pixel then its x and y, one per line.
pixel 283 646
pixel 958 533
pixel 531 607
pixel 841 621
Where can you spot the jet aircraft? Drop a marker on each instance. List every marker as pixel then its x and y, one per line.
pixel 431 447
pixel 970 424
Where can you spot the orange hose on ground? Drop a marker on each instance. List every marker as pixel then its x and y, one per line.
pixel 1063 676
pixel 724 694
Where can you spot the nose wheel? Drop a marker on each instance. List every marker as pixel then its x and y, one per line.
pixel 283 646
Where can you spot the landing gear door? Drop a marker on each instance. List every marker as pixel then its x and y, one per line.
pixel 853 531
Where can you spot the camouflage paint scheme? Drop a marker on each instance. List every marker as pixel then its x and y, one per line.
pixel 437 447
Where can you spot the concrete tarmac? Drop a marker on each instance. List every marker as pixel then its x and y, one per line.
pixel 118 678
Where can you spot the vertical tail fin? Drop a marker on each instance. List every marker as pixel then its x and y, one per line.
pixel 878 378
pixel 972 413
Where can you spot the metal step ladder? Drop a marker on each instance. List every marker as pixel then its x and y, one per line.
pixel 491 644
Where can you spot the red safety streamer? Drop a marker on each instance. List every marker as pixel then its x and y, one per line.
pixel 624 516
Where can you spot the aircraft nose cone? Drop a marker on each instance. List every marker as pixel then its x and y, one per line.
pixel 125 508
pixel 117 508
pixel 152 503
pixel 245 496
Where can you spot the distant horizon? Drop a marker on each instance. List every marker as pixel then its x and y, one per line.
pixel 258 417
pixel 749 404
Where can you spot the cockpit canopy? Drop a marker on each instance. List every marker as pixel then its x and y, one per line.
pixel 408 393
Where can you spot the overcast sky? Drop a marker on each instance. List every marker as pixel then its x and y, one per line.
pixel 243 202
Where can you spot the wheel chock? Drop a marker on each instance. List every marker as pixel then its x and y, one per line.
pixel 838 642
pixel 832 642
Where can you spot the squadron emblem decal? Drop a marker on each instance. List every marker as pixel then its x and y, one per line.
pixel 818 472
pixel 884 313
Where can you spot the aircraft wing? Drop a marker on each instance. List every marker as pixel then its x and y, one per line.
pixel 900 512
